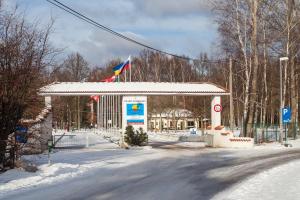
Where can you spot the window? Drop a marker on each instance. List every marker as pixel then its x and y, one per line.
pixel 190 123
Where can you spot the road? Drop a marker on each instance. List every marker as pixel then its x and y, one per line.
pixel 185 173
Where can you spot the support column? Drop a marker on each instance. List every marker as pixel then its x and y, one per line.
pixel 216 109
pixel 48 102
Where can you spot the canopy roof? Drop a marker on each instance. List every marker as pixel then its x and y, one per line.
pixel 130 88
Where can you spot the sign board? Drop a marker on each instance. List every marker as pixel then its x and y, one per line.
pixel 21 134
pixel 286 115
pixel 218 108
pixel 134 109
pixel 22 129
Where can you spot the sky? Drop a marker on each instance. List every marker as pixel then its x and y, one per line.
pixel 183 27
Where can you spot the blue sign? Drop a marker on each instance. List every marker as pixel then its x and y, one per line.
pixel 135 122
pixel 135 109
pixel 286 115
pixel 21 134
pixel 21 129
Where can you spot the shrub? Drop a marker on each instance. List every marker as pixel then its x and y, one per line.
pixel 138 137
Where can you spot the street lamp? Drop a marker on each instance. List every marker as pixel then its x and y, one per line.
pixel 281 98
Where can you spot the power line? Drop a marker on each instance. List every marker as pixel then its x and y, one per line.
pixel 107 29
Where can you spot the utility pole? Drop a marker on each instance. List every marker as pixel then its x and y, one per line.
pixel 231 95
pixel 281 97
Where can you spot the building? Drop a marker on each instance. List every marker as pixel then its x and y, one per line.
pixel 173 119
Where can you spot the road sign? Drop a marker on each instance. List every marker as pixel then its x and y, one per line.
pixel 21 129
pixel 286 115
pixel 218 108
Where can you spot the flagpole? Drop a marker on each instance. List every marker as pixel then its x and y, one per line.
pixel 125 75
pixel 129 68
pixel 98 113
pixel 113 113
pixel 92 113
pixel 102 113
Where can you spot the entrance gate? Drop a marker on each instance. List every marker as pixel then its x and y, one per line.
pixel 111 120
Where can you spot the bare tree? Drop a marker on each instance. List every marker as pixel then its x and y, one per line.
pixel 24 54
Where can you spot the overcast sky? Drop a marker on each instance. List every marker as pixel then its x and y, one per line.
pixel 177 26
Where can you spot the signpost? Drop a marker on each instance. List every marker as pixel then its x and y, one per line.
pixel 286 118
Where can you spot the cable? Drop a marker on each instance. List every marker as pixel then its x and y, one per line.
pixel 105 28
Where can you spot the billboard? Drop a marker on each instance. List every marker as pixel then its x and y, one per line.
pixel 134 112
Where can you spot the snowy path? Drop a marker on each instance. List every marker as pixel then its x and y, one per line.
pixel 107 172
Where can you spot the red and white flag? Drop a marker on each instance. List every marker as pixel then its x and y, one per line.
pixel 109 79
pixel 95 98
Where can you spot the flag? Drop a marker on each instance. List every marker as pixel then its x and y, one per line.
pixel 118 69
pixel 122 67
pixel 95 98
pixel 109 79
pixel 126 66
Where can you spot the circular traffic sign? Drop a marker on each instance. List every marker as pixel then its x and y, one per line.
pixel 218 108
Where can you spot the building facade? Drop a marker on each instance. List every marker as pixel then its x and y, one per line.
pixel 173 119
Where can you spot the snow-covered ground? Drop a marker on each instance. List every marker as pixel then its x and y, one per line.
pixel 68 164
pixel 282 182
pixel 102 156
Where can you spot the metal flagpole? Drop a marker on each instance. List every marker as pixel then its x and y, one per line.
pixel 109 111
pixel 119 119
pixel 129 68
pixel 117 111
pixel 101 112
pixel 98 113
pixel 113 114
pixel 105 112
pixel 120 111
pixel 110 114
pixel 92 112
pixel 125 76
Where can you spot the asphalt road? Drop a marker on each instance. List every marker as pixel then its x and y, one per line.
pixel 190 173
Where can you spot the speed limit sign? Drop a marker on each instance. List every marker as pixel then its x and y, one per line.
pixel 218 108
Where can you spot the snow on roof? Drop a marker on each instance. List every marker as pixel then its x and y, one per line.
pixel 130 88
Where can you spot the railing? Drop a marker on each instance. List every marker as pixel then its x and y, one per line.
pixel 69 141
pixel 271 133
pixel 84 138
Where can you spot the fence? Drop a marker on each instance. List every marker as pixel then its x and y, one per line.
pixel 84 138
pixel 78 139
pixel 271 133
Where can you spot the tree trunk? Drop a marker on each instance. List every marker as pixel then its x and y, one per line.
pixel 253 89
